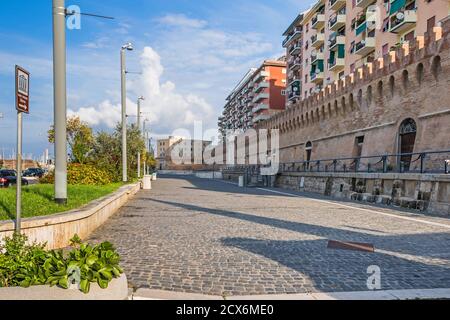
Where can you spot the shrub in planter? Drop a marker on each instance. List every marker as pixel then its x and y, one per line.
pixel 82 174
pixel 28 265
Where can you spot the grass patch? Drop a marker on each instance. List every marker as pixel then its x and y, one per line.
pixel 37 200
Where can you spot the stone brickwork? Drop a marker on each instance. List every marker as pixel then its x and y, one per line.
pixel 411 83
pixel 426 193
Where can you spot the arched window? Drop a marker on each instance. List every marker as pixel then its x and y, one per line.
pixel 343 104
pixel 380 88
pixel 336 108
pixel 407 140
pixel 436 67
pixel 405 79
pixel 350 99
pixel 419 73
pixel 369 95
pixel 360 96
pixel 392 85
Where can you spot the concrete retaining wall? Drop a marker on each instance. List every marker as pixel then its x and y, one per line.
pixel 58 229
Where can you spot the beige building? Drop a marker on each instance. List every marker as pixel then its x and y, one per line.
pixel 163 145
pixel 337 37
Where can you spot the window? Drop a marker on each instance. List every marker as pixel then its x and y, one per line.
pixel 358 148
pixel 283 71
pixel 352 67
pixel 419 73
pixel 436 66
pixel 430 25
pixel 283 92
pixel 385 49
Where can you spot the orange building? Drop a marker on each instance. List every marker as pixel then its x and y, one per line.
pixel 259 95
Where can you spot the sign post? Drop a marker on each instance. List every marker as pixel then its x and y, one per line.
pixel 22 106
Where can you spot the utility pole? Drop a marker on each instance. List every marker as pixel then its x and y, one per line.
pixel 139 130
pixel 60 100
pixel 123 72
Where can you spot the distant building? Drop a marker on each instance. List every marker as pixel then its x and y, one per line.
pixel 181 154
pixel 259 95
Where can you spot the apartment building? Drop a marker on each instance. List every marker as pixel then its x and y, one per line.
pixel 336 37
pixel 259 94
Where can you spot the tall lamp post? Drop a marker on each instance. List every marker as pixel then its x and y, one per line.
pixel 123 71
pixel 139 129
pixel 60 100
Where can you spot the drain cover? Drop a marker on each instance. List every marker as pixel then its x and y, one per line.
pixel 352 246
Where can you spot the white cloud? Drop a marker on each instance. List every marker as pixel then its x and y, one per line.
pixel 164 107
pixel 180 20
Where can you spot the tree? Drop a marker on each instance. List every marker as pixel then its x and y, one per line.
pixel 79 138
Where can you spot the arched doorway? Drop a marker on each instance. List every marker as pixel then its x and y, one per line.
pixel 308 150
pixel 407 139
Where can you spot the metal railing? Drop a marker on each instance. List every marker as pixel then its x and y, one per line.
pixel 431 162
pixel 423 162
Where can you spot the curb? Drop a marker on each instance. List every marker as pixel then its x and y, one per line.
pixel 410 294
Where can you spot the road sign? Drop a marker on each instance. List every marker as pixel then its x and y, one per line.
pixel 22 90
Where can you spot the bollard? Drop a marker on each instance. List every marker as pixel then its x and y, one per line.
pixel 241 181
pixel 147 182
pixel 154 177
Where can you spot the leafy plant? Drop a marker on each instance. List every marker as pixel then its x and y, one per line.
pixel 82 174
pixel 28 265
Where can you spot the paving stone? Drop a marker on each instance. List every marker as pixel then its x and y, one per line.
pixel 209 237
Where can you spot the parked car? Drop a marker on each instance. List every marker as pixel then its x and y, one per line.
pixel 34 172
pixel 9 177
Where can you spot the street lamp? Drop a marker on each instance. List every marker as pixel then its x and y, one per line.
pixel 139 129
pixel 123 71
pixel 60 100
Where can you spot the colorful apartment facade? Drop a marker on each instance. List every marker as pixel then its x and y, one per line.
pixel 337 37
pixel 259 95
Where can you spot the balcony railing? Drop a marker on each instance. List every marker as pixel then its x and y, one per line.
pixel 317 40
pixel 337 4
pixel 296 48
pixel 297 32
pixel 365 46
pixel 364 3
pixel 318 21
pixel 337 21
pixel 336 40
pixel 402 21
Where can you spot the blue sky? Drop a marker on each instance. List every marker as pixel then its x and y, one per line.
pixel 190 53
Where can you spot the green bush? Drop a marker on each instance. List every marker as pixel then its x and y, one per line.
pixel 83 174
pixel 28 265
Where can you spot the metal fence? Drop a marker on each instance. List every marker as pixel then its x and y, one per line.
pixel 437 162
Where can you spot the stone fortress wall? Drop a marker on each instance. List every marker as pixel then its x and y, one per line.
pixel 412 82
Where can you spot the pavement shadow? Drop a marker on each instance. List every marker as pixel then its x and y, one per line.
pixel 339 270
pixel 404 244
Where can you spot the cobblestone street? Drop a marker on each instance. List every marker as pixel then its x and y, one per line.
pixel 211 237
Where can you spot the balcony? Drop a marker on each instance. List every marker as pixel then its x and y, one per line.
pixel 364 3
pixel 337 22
pixel 296 48
pixel 295 65
pixel 403 21
pixel 259 107
pixel 260 97
pixel 318 40
pixel 365 46
pixel 261 117
pixel 317 57
pixel 335 41
pixel 318 21
pixel 297 32
pixel 317 77
pixel 294 96
pixel 336 64
pixel 262 85
pixel 337 4
pixel 260 75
